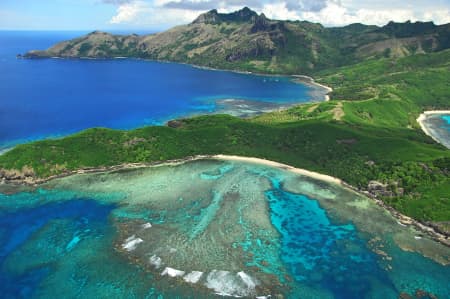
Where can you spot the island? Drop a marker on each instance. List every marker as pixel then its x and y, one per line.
pixel 365 143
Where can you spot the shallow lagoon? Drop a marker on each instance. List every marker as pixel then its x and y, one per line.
pixel 209 227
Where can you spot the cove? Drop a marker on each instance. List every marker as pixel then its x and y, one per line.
pixel 55 97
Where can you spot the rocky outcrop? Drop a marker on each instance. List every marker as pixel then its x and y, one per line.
pixel 214 17
pixel 261 23
pixel 175 123
pixel 210 17
pixel 379 189
pixel 26 174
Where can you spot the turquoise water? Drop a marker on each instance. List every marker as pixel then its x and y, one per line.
pixel 446 118
pixel 208 229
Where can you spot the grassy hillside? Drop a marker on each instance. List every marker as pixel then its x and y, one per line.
pixel 382 93
pixel 367 132
pixel 244 40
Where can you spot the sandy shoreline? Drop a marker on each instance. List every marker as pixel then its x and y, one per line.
pixel 310 81
pixel 422 122
pixel 300 171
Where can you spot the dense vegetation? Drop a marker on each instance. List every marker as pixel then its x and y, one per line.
pixel 367 132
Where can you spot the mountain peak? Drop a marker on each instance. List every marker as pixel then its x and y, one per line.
pixel 214 17
pixel 245 13
pixel 408 28
pixel 210 17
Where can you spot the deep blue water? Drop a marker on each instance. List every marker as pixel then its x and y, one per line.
pixel 53 97
pixel 85 219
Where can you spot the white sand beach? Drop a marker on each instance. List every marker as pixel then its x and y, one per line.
pixel 300 171
pixel 309 80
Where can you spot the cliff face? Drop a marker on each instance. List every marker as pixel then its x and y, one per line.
pixel 248 41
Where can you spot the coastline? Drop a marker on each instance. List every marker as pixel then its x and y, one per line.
pixel 426 129
pixel 310 81
pixel 425 228
pixel 307 80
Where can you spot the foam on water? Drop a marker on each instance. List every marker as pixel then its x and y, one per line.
pixel 193 277
pixel 172 272
pixel 226 283
pixel 146 225
pixel 248 280
pixel 156 261
pixel 131 243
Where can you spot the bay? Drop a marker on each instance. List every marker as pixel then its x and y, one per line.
pixel 55 97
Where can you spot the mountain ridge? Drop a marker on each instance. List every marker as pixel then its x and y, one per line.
pixel 244 40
